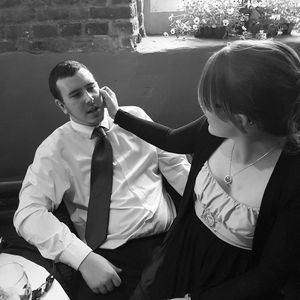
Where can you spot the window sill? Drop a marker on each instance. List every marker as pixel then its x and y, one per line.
pixel 151 44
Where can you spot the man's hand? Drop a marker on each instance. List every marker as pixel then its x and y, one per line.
pixel 110 100
pixel 99 274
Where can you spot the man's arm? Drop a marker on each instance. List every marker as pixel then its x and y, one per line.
pixel 174 167
pixel 42 192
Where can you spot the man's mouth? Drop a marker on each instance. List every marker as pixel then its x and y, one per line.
pixel 92 109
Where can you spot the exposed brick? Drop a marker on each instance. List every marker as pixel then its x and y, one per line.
pixel 112 13
pixel 138 38
pixel 116 2
pixel 123 26
pixel 18 31
pixel 6 46
pixel 54 13
pixel 51 45
pixel 59 45
pixel 22 44
pixel 70 29
pixel 95 2
pixel 34 46
pixel 134 9
pixel 11 32
pixel 85 45
pixel 35 3
pixel 96 28
pixel 65 2
pixel 142 31
pixel 104 42
pixel 129 42
pixel 2 32
pixel 9 3
pixel 141 19
pixel 79 13
pixel 18 15
pixel 140 5
pixel 136 25
pixel 46 25
pixel 43 31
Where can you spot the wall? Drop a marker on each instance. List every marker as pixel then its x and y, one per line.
pixel 36 34
pixel 163 83
pixel 166 5
pixel 70 25
pixel 157 13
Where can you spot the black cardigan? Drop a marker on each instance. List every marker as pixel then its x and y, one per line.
pixel 276 244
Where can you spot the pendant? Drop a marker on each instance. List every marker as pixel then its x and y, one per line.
pixel 228 179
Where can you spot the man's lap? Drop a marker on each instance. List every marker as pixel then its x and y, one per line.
pixel 132 259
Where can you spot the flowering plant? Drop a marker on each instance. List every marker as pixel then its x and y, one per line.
pixel 276 14
pixel 203 13
pixel 237 17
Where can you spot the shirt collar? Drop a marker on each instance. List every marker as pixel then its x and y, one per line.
pixel 88 130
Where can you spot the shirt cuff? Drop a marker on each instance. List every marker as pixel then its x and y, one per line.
pixel 75 253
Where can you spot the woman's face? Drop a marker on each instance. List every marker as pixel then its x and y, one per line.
pixel 219 127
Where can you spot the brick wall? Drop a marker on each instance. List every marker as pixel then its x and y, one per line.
pixel 70 25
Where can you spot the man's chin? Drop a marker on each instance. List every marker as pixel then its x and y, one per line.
pixel 96 118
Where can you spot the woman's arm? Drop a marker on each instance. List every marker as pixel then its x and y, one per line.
pixel 182 140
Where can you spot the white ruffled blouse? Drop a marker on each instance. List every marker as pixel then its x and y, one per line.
pixel 230 220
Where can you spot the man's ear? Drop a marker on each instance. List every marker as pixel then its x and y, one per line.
pixel 61 105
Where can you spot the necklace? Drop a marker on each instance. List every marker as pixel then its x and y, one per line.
pixel 228 179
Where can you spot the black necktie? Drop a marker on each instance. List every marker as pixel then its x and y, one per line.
pixel 100 193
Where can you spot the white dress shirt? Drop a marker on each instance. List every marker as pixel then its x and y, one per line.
pixel 61 171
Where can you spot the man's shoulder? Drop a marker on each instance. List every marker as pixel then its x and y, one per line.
pixel 56 137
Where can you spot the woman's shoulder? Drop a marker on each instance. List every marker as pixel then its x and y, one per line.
pixel 292 161
pixel 288 173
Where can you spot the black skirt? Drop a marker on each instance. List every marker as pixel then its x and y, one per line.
pixel 193 260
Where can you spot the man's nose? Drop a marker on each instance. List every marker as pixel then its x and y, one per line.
pixel 89 98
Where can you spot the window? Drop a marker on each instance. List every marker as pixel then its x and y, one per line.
pixel 164 5
pixel 156 14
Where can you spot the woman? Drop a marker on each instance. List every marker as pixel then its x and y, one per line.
pixel 237 233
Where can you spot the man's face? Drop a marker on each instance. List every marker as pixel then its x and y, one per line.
pixel 81 98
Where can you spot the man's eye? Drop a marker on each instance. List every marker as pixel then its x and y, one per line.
pixel 91 88
pixel 77 95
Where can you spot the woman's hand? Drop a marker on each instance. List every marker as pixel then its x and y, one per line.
pixel 110 99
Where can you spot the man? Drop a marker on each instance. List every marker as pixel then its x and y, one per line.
pixel 140 209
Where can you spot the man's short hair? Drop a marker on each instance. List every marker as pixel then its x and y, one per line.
pixel 64 69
